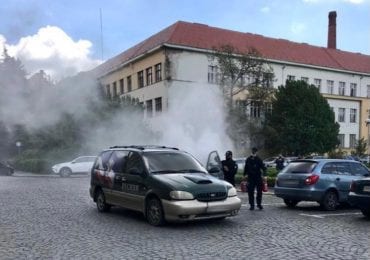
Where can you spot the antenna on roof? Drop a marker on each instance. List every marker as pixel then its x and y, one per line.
pixel 101 34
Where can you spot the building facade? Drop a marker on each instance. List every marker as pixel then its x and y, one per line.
pixel 180 56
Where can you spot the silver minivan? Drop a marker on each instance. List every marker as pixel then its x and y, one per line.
pixel 326 181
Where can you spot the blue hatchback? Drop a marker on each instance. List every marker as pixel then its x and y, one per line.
pixel 326 181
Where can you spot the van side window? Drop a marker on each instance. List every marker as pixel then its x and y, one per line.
pixel 135 161
pixel 358 169
pixel 118 160
pixel 102 161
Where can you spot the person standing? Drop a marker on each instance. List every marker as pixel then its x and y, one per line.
pixel 229 167
pixel 254 169
pixel 279 163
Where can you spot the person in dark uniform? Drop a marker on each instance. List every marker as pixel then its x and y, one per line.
pixel 254 169
pixel 229 167
pixel 279 163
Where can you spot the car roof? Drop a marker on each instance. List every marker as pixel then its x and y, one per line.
pixel 324 160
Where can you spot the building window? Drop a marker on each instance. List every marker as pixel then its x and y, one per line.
pixel 255 109
pixel 158 105
pixel 317 83
pixel 352 141
pixel 140 79
pixel 291 77
pixel 268 80
pixel 341 114
pixel 368 90
pixel 305 79
pixel 342 88
pixel 149 108
pixel 341 140
pixel 158 72
pixel 129 84
pixel 212 74
pixel 353 115
pixel 121 86
pixel 107 87
pixel 149 76
pixel 353 88
pixel 330 85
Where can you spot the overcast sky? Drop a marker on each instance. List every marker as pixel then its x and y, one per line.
pixel 64 36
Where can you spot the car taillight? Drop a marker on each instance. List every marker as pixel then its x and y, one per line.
pixel 311 179
pixel 353 186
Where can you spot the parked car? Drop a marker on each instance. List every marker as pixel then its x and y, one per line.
pixel 165 184
pixel 6 169
pixel 326 181
pixel 359 195
pixel 82 164
pixel 270 162
pixel 365 159
pixel 241 163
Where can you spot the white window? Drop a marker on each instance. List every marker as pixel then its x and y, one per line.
pixel 212 74
pixel 352 141
pixel 368 90
pixel 341 114
pixel 317 83
pixel 291 77
pixel 305 79
pixel 255 109
pixel 149 108
pixel 353 89
pixel 353 115
pixel 330 85
pixel 341 140
pixel 342 88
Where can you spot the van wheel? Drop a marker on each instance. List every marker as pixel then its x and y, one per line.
pixel 330 201
pixel 154 212
pixel 100 202
pixel 65 172
pixel 366 212
pixel 290 203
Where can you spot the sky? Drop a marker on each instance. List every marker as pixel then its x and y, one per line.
pixel 65 37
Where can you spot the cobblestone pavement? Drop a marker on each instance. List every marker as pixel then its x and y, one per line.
pixel 54 218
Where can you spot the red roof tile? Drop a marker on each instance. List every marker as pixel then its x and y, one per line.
pixel 206 37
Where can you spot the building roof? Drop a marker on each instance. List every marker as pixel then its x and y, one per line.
pixel 204 37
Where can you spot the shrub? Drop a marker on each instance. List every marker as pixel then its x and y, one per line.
pixel 31 165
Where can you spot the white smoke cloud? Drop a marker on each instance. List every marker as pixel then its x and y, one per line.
pixel 53 51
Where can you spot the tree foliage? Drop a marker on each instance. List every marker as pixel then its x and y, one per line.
pixel 301 121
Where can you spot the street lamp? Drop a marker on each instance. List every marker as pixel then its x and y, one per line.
pixel 18 144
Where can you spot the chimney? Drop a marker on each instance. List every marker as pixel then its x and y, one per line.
pixel 332 30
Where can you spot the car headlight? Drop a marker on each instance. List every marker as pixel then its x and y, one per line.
pixel 181 195
pixel 231 192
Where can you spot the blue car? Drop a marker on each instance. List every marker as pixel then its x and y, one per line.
pixel 326 181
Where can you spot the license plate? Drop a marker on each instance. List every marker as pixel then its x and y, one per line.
pixel 290 182
pixel 367 188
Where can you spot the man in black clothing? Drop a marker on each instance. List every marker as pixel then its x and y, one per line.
pixel 254 168
pixel 230 168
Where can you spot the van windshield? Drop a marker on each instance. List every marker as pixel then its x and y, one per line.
pixel 300 167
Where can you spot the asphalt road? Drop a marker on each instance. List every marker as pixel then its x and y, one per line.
pixel 48 217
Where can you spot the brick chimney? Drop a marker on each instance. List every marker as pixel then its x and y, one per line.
pixel 332 30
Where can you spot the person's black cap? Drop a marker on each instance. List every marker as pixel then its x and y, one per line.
pixel 228 153
pixel 254 150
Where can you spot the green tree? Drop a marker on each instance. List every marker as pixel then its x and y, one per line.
pixel 301 121
pixel 361 147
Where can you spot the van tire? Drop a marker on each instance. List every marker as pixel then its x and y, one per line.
pixel 154 212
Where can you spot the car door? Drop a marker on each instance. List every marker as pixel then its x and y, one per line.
pixel 100 174
pixel 116 168
pixel 214 165
pixel 133 182
pixel 343 179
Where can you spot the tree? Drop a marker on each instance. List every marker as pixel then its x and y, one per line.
pixel 242 72
pixel 361 147
pixel 245 78
pixel 301 121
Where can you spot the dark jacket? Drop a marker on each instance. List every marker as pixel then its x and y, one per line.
pixel 231 168
pixel 254 168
